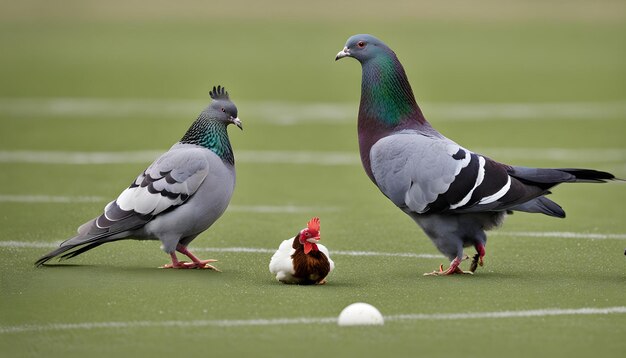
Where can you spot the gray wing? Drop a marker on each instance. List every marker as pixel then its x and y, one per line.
pixel 165 185
pixel 433 175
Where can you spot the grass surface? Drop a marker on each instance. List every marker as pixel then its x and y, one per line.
pixel 278 64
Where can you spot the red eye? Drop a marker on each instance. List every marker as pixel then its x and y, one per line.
pixel 223 110
pixel 307 234
pixel 361 44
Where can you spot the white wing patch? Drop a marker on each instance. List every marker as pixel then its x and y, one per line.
pixel 479 180
pixel 500 193
pixel 168 182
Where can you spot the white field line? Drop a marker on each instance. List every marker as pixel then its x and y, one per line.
pixel 562 235
pixel 548 234
pixel 251 250
pixel 590 155
pixel 261 209
pixel 508 314
pixel 29 244
pixel 334 252
pixel 145 157
pixel 550 312
pixel 287 113
pixel 37 199
pixel 280 209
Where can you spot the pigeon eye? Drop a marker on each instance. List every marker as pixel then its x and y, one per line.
pixel 361 44
pixel 223 110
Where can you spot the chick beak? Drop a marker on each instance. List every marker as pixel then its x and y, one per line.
pixel 343 53
pixel 236 121
pixel 313 240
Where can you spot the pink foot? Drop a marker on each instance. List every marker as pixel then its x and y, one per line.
pixel 453 269
pixel 201 264
pixel 180 265
pixel 195 264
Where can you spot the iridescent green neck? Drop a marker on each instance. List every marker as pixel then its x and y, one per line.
pixel 386 94
pixel 211 134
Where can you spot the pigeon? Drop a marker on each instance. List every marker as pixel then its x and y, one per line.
pixel 302 259
pixel 452 193
pixel 180 195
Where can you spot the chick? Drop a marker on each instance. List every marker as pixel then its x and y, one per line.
pixel 302 259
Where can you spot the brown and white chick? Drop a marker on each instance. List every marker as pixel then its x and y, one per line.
pixel 303 260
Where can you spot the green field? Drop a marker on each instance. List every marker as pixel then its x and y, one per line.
pixel 91 91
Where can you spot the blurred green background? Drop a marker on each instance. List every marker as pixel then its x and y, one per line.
pixel 538 83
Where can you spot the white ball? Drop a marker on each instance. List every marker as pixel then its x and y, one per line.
pixel 359 314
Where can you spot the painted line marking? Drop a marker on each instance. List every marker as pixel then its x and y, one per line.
pixel 549 234
pixel 29 244
pixel 561 235
pixel 148 156
pixel 280 209
pixel 299 112
pixel 254 250
pixel 262 209
pixel 605 155
pixel 334 252
pixel 36 199
pixel 551 312
pixel 508 314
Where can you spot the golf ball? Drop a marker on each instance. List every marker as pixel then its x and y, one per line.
pixel 359 314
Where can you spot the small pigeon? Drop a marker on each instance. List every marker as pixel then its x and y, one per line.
pixel 452 193
pixel 302 259
pixel 178 197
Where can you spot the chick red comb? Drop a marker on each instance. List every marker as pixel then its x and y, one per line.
pixel 314 224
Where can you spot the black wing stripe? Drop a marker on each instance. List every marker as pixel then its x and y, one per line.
pixel 463 183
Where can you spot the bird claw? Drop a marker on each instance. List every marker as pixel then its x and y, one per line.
pixel 202 264
pixel 449 271
pixel 209 267
pixel 476 261
pixel 181 265
pixel 439 273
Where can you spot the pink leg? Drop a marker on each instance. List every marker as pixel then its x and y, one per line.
pixel 175 263
pixel 480 248
pixel 197 263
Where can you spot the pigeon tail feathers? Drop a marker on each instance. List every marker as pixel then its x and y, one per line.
pixel 541 205
pixel 546 178
pixel 90 236
pixel 589 175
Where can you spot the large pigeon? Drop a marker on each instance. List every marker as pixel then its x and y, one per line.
pixel 452 193
pixel 179 196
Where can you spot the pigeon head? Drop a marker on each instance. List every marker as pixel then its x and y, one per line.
pixel 387 103
pixel 363 47
pixel 387 99
pixel 221 108
pixel 310 235
pixel 209 130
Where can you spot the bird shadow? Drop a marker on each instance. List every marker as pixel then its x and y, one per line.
pixel 102 268
pixel 62 266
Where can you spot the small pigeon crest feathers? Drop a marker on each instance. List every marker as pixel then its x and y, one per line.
pixel 218 93
pixel 314 224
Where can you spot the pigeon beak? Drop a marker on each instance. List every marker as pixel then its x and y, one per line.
pixel 343 53
pixel 236 121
